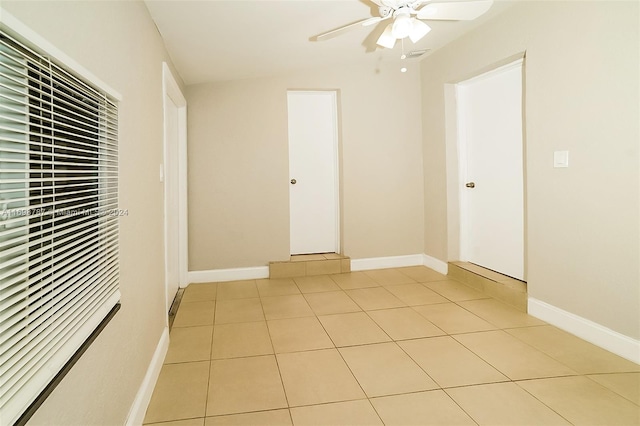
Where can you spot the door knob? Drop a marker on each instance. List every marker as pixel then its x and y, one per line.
pixel 293 181
pixel 470 185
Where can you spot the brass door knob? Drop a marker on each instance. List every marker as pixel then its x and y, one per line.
pixel 293 181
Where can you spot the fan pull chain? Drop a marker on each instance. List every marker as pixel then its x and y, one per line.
pixel 403 56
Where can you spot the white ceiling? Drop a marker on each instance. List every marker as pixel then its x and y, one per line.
pixel 216 40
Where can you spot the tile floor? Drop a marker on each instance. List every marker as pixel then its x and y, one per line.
pixel 404 346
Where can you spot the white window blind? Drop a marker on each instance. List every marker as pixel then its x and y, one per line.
pixel 59 270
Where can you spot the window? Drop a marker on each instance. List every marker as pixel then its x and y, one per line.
pixel 59 272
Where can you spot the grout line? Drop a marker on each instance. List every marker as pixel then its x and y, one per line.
pixel 542 402
pixel 396 342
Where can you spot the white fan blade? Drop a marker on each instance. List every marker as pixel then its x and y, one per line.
pixel 418 30
pixel 343 29
pixel 457 11
pixel 386 38
pixel 372 21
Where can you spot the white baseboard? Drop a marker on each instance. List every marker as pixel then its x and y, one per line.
pixel 386 262
pixel 143 397
pixel 399 262
pixel 217 275
pixel 588 330
pixel 435 264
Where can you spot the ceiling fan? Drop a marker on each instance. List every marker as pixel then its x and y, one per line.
pixel 407 18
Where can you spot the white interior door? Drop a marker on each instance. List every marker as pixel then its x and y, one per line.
pixel 174 174
pixel 490 129
pixel 313 172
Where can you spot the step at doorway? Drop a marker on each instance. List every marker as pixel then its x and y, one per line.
pixel 310 264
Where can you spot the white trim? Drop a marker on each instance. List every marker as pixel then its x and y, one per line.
pixel 386 262
pixel 336 167
pixel 39 43
pixel 492 73
pixel 143 397
pixel 435 264
pixel 624 346
pixel 461 192
pixel 171 89
pixel 217 275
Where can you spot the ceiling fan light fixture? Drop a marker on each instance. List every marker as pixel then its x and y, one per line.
pixel 386 38
pixel 402 26
pixel 419 29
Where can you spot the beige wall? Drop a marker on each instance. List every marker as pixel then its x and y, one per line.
pixel 118 42
pixel 582 95
pixel 238 165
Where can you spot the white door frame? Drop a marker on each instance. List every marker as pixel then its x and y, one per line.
pixel 336 161
pixel 456 163
pixel 171 89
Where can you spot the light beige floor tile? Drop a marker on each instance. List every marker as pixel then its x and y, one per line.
pixel 241 340
pixel 237 290
pixel 433 408
pixel 499 314
pixel 624 384
pixel 582 356
pixel 245 384
pixel 192 314
pixel 317 377
pixel 345 265
pixel 277 287
pixel 353 329
pixel 316 284
pixel 306 257
pixel 416 294
pixel 298 334
pixel 279 307
pixel 180 392
pixel 449 363
pixel 352 280
pixel 389 276
pixel 384 369
pixel 239 310
pixel 331 302
pixel 350 413
pixel 323 267
pixel 404 323
pixel 287 269
pixel 189 422
pixel 188 344
pixel 331 256
pixel 375 298
pixel 503 404
pixel 511 357
pixel 200 292
pixel 584 402
pixel 422 274
pixel 452 318
pixel 261 418
pixel 455 291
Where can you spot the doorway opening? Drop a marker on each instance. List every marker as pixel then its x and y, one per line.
pixel 486 177
pixel 174 174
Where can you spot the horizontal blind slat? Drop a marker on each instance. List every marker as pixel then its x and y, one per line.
pixel 59 255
